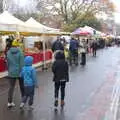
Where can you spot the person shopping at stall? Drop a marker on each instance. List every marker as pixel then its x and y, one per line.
pixel 8 44
pixel 57 45
pixel 73 50
pixel 15 62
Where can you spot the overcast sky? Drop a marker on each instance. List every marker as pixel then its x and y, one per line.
pixel 117 14
pixel 22 3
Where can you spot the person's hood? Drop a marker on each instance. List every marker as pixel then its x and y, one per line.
pixel 60 55
pixel 14 50
pixel 28 61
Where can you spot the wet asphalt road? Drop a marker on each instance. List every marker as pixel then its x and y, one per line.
pixel 85 83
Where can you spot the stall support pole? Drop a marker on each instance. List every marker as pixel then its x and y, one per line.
pixel 44 67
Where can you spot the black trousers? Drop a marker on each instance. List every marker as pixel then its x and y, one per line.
pixel 29 94
pixel 12 82
pixel 94 52
pixel 83 58
pixel 73 57
pixel 60 85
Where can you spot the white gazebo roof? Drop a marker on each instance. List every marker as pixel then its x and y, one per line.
pixel 8 18
pixel 10 23
pixel 33 23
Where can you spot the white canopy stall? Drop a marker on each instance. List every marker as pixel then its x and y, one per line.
pixel 9 23
pixel 40 28
pixel 36 26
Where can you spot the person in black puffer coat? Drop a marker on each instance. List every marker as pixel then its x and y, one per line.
pixel 60 70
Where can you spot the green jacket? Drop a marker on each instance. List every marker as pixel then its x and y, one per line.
pixel 15 61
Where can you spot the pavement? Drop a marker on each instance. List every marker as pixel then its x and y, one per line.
pixel 89 94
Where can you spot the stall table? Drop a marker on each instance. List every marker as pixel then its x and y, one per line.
pixel 38 57
pixel 3 66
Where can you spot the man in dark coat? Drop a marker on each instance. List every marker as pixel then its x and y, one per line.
pixel 57 45
pixel 74 44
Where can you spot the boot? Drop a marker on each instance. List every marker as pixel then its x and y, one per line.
pixel 62 103
pixel 56 103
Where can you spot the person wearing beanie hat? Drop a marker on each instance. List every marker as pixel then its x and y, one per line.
pixel 15 43
pixel 60 71
pixel 28 74
pixel 15 62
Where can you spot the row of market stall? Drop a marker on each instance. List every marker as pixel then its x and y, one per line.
pixel 37 46
pixel 11 24
pixel 34 46
pixel 91 32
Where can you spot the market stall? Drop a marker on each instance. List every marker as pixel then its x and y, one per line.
pixel 3 66
pixel 81 32
pixel 45 31
pixel 11 25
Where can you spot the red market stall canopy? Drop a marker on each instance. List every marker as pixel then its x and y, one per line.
pixel 84 31
pixel 88 31
pixel 81 31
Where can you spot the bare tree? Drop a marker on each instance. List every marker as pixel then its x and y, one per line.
pixel 71 9
pixel 64 11
pixel 1 5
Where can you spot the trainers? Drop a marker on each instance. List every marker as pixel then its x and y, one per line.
pixel 11 105
pixel 62 103
pixel 22 105
pixel 56 103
